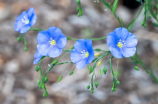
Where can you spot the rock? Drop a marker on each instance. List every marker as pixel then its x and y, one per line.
pixel 124 14
pixel 8 86
pixel 45 101
pixel 12 66
pixel 79 21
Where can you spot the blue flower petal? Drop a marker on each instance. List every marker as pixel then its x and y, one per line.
pixel 81 64
pixel 24 29
pixel 131 41
pixel 36 60
pixel 55 33
pixel 111 39
pixel 115 51
pixel 61 43
pixel 37 57
pixel 90 50
pixel 122 33
pixel 38 54
pixel 33 19
pixel 75 56
pixel 43 37
pixel 18 24
pixel 43 48
pixel 80 45
pixel 30 12
pixel 54 51
pixel 128 52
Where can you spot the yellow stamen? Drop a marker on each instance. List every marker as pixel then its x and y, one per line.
pixel 99 63
pixel 119 44
pixel 52 42
pixel 87 54
pixel 27 21
pixel 97 54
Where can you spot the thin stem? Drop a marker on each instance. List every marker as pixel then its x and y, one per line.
pixel 69 38
pixel 35 29
pixel 42 79
pixel 48 70
pixel 119 20
pixel 65 69
pixel 117 63
pixel 62 56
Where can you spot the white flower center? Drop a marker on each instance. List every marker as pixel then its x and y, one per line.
pixel 25 20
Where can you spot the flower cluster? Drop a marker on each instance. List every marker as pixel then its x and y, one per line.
pixel 51 42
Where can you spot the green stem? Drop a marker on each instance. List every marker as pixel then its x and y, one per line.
pixel 48 70
pixel 35 29
pixel 111 67
pixel 42 79
pixel 69 38
pixel 132 23
pixel 62 56
pixel 119 20
pixel 93 39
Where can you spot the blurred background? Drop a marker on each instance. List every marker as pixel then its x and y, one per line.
pixel 18 77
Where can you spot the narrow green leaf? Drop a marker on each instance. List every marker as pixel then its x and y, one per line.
pixel 116 74
pixel 97 49
pixel 132 23
pixel 155 24
pixel 114 6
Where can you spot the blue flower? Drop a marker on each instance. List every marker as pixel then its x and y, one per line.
pixel 25 20
pixel 83 53
pixel 121 43
pixel 37 57
pixel 51 42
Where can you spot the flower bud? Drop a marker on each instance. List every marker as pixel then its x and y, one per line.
pixel 45 94
pixel 36 68
pixel 92 91
pixel 38 82
pixel 99 63
pixel 136 68
pixel 88 86
pixel 90 69
pixel 96 84
pixel 97 54
pixel 113 89
pixel 101 72
pixel 54 62
pixel 71 72
pixel 18 39
pixel 118 82
pixel 72 47
pixel 59 79
pixel 104 70
pixel 78 8
pixel 45 79
pixel 149 16
pixel 25 49
pixel 40 86
pixel 78 2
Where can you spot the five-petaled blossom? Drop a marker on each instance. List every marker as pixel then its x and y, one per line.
pixel 121 43
pixel 51 42
pixel 37 57
pixel 83 53
pixel 25 20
